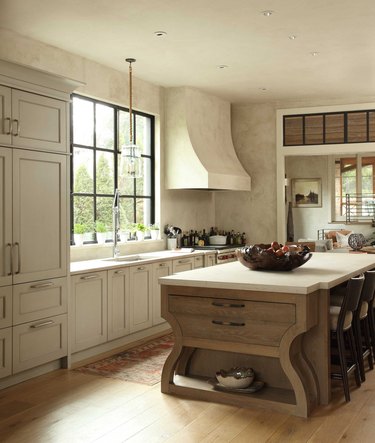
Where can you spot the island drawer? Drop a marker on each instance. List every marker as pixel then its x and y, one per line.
pixel 240 321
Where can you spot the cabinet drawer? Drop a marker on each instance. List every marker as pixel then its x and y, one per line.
pixel 240 321
pixel 39 342
pixel 198 262
pixel 5 307
pixel 32 301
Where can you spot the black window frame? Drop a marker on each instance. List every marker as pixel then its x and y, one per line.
pixel 117 151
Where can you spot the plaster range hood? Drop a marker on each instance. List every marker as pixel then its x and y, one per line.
pixel 199 148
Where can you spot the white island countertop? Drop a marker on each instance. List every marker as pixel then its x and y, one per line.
pixel 322 271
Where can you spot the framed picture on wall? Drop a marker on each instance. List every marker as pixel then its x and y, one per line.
pixel 307 192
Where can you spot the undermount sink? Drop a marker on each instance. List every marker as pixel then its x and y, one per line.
pixel 130 258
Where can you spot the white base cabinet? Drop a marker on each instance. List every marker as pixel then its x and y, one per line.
pixel 118 303
pixel 39 342
pixel 140 297
pixel 161 269
pixel 88 310
pixel 183 264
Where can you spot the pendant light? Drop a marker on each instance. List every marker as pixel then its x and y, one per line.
pixel 131 160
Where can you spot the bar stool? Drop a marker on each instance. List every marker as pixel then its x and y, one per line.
pixel 341 329
pixel 361 323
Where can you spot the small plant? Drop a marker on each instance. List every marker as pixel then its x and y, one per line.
pixel 154 227
pixel 141 227
pixel 100 226
pixel 79 228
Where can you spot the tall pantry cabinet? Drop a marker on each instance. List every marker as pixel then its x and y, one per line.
pixel 34 217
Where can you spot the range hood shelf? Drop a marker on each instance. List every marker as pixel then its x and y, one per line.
pixel 200 152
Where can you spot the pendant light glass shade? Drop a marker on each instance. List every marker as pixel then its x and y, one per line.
pixel 131 159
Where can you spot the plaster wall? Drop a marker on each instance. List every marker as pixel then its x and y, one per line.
pixel 181 208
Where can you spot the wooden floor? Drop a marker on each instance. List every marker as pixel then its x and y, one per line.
pixel 67 406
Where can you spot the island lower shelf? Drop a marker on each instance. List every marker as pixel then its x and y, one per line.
pixel 201 388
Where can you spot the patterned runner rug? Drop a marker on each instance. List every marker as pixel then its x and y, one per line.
pixel 142 364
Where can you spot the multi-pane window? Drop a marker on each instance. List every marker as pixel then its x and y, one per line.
pixel 99 130
pixel 355 188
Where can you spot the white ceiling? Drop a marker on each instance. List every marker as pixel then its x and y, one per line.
pixel 202 34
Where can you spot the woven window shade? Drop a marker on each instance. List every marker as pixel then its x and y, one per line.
pixel 313 129
pixel 357 127
pixel 334 128
pixel 293 131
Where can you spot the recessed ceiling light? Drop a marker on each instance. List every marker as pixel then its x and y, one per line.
pixel 160 33
pixel 292 37
pixel 223 66
pixel 314 53
pixel 267 13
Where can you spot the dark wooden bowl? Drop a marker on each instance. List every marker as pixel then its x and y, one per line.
pixel 258 257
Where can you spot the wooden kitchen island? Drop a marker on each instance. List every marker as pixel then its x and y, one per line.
pixel 275 322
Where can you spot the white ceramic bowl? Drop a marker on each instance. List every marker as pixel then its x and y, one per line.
pixel 218 240
pixel 237 378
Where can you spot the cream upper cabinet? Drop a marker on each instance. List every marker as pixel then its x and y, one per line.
pixel 88 310
pixel 161 269
pixel 140 297
pixel 5 216
pixel 118 303
pixel 33 121
pixel 183 264
pixel 39 216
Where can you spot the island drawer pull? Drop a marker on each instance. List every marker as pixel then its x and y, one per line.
pixel 41 325
pixel 228 305
pixel 187 260
pixel 227 323
pixel 119 272
pixel 141 268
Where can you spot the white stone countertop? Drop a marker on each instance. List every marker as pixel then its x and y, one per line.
pixel 103 264
pixel 322 271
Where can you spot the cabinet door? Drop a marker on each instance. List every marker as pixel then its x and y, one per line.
pixel 183 264
pixel 198 262
pixel 5 115
pixel 39 216
pixel 5 352
pixel 39 342
pixel 209 260
pixel 5 216
pixel 118 303
pixel 159 270
pixel 140 297
pixel 38 122
pixel 5 307
pixel 89 310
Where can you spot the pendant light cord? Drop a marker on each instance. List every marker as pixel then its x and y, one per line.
pixel 130 61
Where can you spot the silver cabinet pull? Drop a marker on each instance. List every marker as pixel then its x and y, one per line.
pixel 89 277
pixel 8 120
pixel 42 285
pixel 227 323
pixel 17 127
pixel 228 305
pixel 187 260
pixel 141 268
pixel 41 325
pixel 161 265
pixel 17 245
pixel 119 272
pixel 8 245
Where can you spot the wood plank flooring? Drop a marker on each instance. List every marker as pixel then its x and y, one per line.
pixel 70 407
